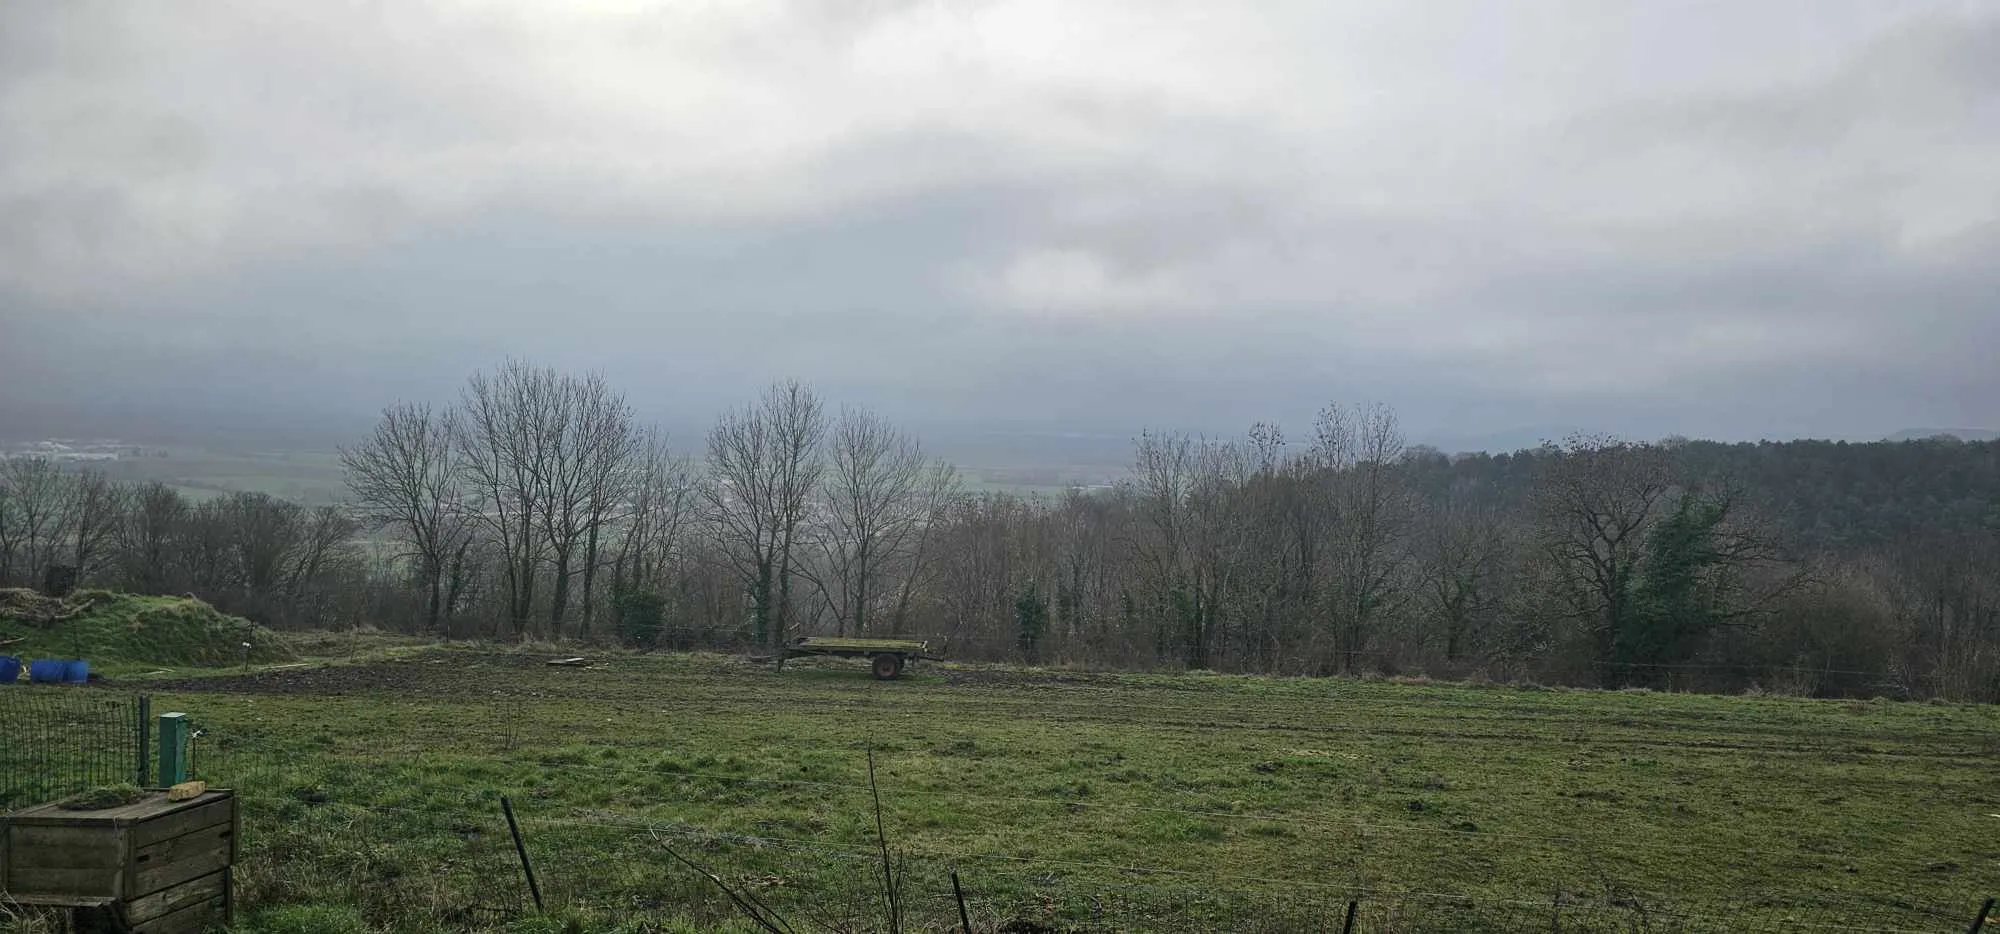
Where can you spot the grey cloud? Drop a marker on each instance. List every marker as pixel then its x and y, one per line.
pixel 1696 243
pixel 1929 73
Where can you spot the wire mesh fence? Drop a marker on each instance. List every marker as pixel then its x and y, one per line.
pixel 60 741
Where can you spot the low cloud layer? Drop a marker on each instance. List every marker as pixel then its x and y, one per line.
pixel 1724 219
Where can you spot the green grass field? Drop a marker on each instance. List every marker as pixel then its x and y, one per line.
pixel 1073 801
pixel 309 477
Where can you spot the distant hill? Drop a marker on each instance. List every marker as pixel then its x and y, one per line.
pixel 1962 434
pixel 1835 495
pixel 1524 438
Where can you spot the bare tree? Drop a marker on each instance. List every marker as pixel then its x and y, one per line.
pixel 1164 472
pixel 587 432
pixel 939 489
pixel 763 465
pixel 1221 533
pixel 10 533
pixel 96 506
pixel 1081 527
pixel 264 533
pixel 1192 536
pixel 42 509
pixel 875 508
pixel 1461 550
pixel 664 489
pixel 1596 497
pixel 1289 510
pixel 1355 451
pixel 321 548
pixel 980 568
pixel 407 477
pixel 149 536
pixel 204 552
pixel 507 444
pixel 608 463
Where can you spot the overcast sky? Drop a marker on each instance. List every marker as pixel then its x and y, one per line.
pixel 1729 219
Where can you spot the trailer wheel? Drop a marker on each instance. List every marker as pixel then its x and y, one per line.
pixel 888 666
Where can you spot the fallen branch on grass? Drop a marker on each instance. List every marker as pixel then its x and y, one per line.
pixel 40 611
pixel 746 901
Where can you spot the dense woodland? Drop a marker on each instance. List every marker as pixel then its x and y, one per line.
pixel 537 507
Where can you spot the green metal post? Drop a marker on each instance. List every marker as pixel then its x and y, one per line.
pixel 173 748
pixel 144 747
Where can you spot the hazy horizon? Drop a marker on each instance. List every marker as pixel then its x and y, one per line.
pixel 965 442
pixel 1718 220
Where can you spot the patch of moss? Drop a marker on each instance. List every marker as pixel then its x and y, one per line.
pixel 104 797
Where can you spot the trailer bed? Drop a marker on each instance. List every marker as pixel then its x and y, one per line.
pixel 887 657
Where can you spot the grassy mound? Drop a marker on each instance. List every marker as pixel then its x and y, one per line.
pixel 125 630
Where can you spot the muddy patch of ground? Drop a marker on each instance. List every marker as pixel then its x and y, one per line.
pixel 430 674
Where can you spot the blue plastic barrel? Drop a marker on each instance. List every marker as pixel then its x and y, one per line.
pixel 48 670
pixel 10 669
pixel 77 671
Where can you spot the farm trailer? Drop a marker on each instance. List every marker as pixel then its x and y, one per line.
pixel 886 657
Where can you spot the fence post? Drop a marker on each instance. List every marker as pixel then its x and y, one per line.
pixel 1980 922
pixel 144 746
pixel 521 849
pixel 173 748
pixel 964 919
pixel 1347 927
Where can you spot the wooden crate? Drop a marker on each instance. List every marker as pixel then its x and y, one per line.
pixel 160 867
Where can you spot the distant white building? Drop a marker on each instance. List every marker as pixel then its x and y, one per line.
pixel 53 450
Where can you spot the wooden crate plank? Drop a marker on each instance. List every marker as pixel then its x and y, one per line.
pixel 174 898
pixel 201 812
pixel 55 814
pixel 87 883
pixel 39 834
pixel 188 919
pixel 180 859
pixel 195 841
pixel 65 847
pixel 154 806
pixel 54 901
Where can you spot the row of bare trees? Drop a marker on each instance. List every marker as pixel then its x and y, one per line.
pixel 536 506
pixel 538 495
pixel 246 552
pixel 49 516
pixel 1617 567
pixel 526 483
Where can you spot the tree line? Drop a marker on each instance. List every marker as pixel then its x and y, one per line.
pixel 536 506
pixel 249 553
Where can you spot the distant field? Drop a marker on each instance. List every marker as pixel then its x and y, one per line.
pixel 314 477
pixel 1085 801
pixel 309 477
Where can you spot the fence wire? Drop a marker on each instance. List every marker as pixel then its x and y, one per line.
pixel 57 741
